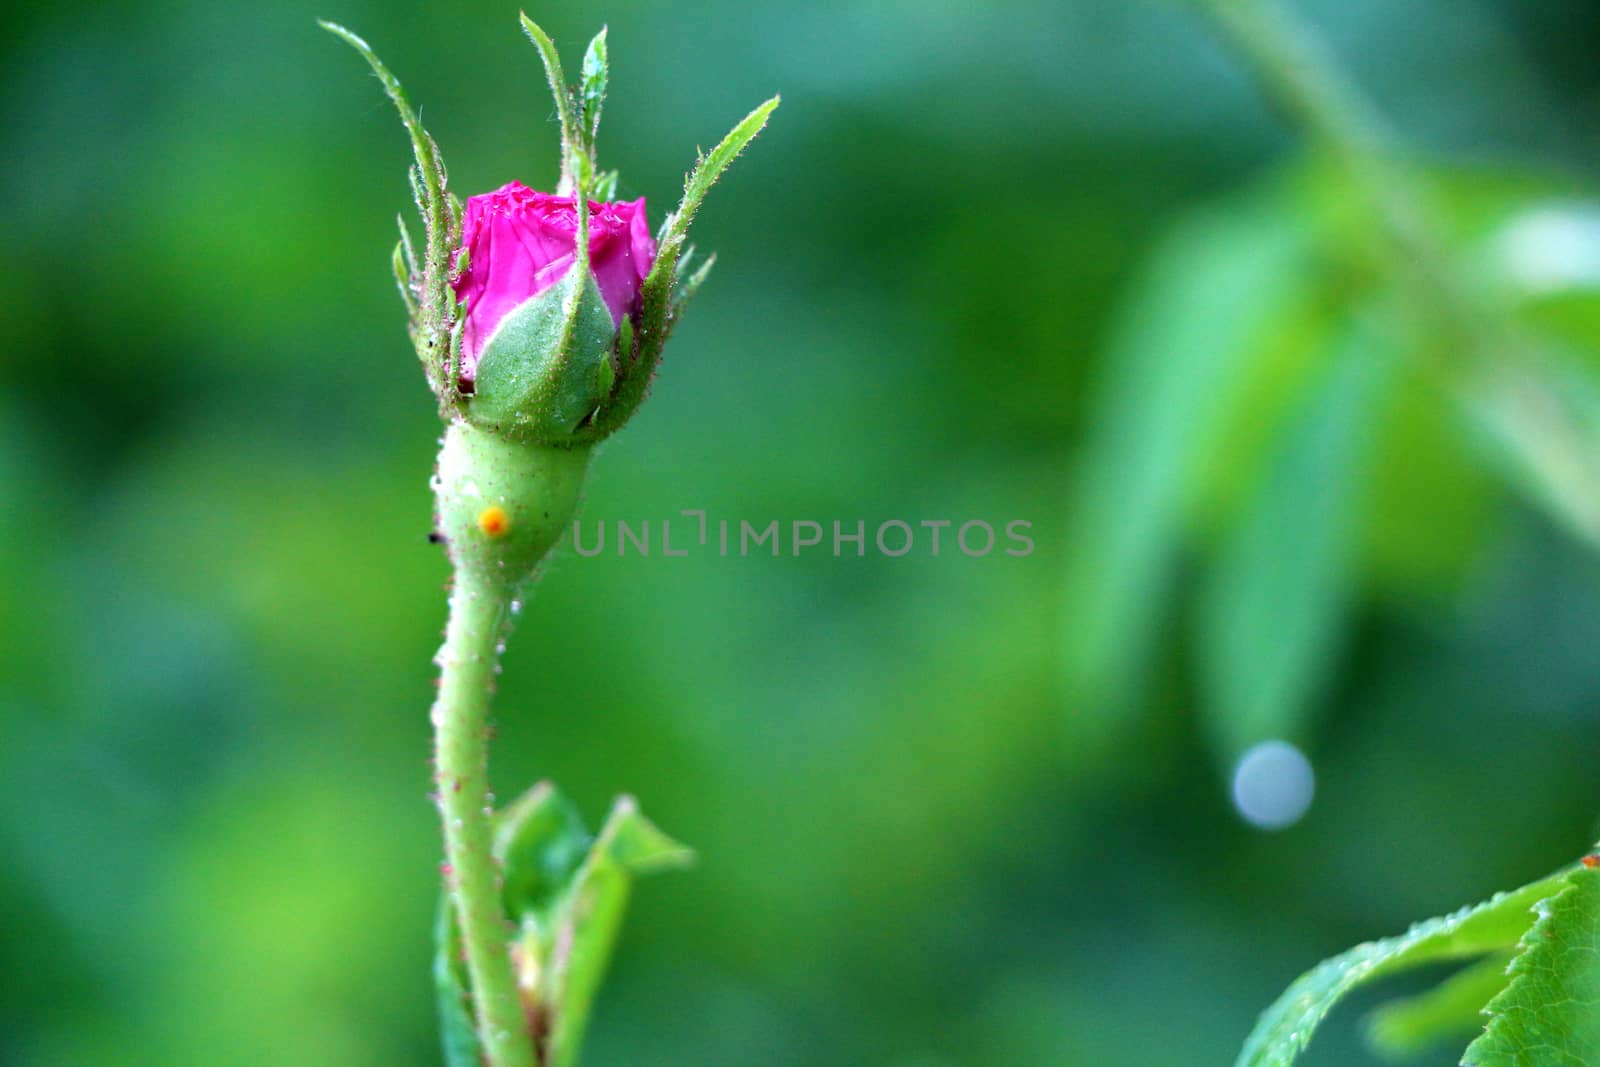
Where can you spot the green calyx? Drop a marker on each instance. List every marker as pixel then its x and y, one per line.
pixel 503 504
pixel 549 366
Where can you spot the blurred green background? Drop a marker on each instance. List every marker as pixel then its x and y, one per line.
pixel 1034 259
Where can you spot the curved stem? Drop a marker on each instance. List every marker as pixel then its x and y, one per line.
pixel 479 612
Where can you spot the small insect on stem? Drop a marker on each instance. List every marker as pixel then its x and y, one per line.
pixel 493 521
pixel 1591 861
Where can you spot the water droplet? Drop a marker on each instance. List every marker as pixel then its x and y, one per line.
pixel 516 606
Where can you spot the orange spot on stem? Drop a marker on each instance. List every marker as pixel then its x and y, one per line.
pixel 493 521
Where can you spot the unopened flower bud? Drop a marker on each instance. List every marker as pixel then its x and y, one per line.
pixel 533 364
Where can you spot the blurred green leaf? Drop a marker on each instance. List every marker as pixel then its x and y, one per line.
pixel 1184 345
pixel 1428 504
pixel 1271 617
pixel 1408 1027
pixel 1547 1015
pixel 1541 420
pixel 450 985
pixel 1544 255
pixel 1286 1028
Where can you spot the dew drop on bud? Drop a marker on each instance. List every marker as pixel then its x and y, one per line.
pixel 1273 784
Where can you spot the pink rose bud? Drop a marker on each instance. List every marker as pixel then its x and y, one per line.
pixel 519 249
pixel 520 242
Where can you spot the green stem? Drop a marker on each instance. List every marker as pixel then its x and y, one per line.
pixel 1487 358
pixel 479 614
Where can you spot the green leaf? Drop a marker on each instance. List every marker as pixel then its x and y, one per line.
pixel 628 845
pixel 1549 1014
pixel 1271 617
pixel 1453 1009
pixel 1286 1028
pixel 1182 351
pixel 1542 419
pixel 1425 518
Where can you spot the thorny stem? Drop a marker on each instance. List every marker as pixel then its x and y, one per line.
pixel 1491 363
pixel 479 614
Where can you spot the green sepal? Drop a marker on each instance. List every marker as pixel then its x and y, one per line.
pixel 688 282
pixel 604 186
pixel 573 156
pixel 429 302
pixel 659 294
pixel 592 89
pixel 402 279
pixel 539 379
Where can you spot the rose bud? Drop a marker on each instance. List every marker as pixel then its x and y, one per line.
pixel 525 372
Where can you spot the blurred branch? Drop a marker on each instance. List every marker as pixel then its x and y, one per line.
pixel 1492 364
